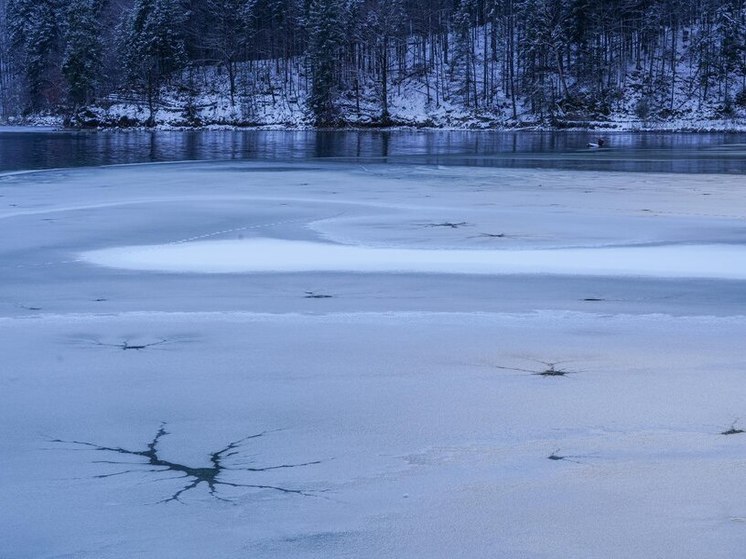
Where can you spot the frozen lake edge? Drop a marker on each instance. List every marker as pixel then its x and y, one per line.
pixel 416 424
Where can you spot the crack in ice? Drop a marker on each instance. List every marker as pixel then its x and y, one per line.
pixel 209 475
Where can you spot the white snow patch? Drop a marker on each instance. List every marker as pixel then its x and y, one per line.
pixel 276 255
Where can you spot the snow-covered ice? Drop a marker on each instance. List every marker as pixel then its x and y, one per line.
pixel 365 379
pixel 272 255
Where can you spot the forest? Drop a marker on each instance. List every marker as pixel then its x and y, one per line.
pixel 372 62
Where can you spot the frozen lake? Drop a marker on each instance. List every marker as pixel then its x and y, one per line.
pixel 301 357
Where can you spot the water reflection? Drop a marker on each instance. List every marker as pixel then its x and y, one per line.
pixel 665 152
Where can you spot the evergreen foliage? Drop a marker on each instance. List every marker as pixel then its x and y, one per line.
pixel 326 23
pixel 81 63
pixel 35 35
pixel 551 61
pixel 229 33
pixel 154 45
pixel 382 30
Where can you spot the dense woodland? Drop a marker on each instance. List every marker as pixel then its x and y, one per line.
pixel 361 61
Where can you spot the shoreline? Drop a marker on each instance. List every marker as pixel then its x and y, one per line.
pixel 704 127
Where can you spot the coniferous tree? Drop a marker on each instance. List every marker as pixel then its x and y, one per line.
pixel 732 31
pixel 326 37
pixel 154 45
pixel 81 63
pixel 463 62
pixel 550 59
pixel 35 36
pixel 228 33
pixel 384 24
pixel 6 77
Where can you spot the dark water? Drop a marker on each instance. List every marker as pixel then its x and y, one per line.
pixel 663 152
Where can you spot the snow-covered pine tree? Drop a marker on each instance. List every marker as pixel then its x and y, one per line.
pixel 545 34
pixel 154 45
pixel 463 56
pixel 731 26
pixel 81 62
pixel 385 23
pixel 325 25
pixel 35 37
pixel 6 78
pixel 279 31
pixel 228 33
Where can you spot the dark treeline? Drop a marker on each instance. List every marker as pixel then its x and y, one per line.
pixel 543 60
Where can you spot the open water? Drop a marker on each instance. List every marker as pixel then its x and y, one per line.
pixel 23 149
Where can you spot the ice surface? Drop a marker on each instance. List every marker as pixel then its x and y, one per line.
pixel 370 414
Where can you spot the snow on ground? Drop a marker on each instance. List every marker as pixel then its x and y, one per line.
pixel 275 94
pixel 380 413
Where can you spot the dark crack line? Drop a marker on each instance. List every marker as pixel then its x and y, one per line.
pixel 126 345
pixel 187 487
pixel 102 476
pixel 733 429
pixel 490 236
pixel 558 457
pixel 448 224
pixel 550 371
pixel 111 461
pixel 268 468
pixel 314 295
pixel 137 347
pixel 196 475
